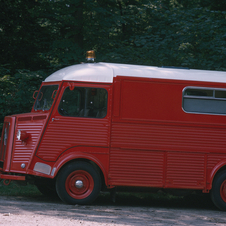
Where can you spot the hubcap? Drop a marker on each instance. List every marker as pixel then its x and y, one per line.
pixel 223 191
pixel 78 184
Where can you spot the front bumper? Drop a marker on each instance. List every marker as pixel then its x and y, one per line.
pixel 10 177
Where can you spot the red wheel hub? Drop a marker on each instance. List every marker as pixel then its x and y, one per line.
pixel 79 184
pixel 223 190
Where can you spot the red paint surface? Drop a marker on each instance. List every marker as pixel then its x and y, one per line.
pixel 145 140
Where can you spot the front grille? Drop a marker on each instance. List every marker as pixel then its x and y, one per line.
pixel 4 139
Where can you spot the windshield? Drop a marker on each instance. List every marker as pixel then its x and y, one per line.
pixel 45 97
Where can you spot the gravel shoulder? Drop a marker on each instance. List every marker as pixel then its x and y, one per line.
pixel 128 210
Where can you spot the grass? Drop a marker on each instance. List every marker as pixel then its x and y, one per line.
pixel 158 199
pixel 15 189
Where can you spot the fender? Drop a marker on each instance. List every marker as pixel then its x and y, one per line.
pixel 215 170
pixel 78 155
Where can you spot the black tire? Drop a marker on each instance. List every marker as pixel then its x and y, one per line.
pixel 78 183
pixel 218 192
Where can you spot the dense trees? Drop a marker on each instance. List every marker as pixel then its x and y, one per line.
pixel 41 36
pixel 49 34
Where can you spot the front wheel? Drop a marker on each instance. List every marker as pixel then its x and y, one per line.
pixel 218 193
pixel 78 183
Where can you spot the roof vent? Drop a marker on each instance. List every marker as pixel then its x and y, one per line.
pixel 90 56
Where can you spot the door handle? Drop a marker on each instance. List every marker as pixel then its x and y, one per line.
pixel 53 119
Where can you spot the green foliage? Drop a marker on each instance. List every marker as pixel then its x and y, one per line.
pixel 16 92
pixel 15 189
pixel 194 38
pixel 22 37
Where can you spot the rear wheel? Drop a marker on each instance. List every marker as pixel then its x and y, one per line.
pixel 218 193
pixel 78 183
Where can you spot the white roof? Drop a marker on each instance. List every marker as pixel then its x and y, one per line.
pixel 105 72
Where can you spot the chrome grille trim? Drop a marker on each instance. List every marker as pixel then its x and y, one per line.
pixel 4 139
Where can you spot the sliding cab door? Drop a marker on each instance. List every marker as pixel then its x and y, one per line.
pixel 80 122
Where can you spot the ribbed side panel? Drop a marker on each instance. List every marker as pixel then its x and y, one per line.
pixel 185 170
pixel 22 152
pixel 167 137
pixel 186 148
pixel 66 133
pixel 213 159
pixel 136 168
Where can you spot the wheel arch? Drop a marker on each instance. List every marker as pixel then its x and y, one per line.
pixel 218 192
pixel 81 157
pixel 221 166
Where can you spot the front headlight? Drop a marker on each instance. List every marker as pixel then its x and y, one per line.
pixel 18 134
pixel 22 135
pixel 5 136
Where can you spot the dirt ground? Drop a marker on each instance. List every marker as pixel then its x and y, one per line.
pixel 129 210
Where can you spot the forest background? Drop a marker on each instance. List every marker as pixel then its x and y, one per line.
pixel 38 37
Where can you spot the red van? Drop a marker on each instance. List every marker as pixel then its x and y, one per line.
pixel 104 125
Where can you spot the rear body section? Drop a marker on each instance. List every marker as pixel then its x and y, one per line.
pixel 156 143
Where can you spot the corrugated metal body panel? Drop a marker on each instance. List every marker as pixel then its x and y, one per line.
pixel 23 151
pixel 136 168
pixel 184 146
pixel 213 159
pixel 66 132
pixel 185 170
pixel 148 118
pixel 167 137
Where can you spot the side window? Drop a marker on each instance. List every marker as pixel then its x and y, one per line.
pixel 70 104
pixel 84 102
pixel 204 100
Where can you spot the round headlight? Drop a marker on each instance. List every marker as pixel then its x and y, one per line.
pixel 5 136
pixel 18 134
pixel 22 135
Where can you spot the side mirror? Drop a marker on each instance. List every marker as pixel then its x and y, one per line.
pixel 35 94
pixel 54 94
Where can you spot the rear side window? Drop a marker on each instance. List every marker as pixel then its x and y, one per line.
pixel 84 102
pixel 204 100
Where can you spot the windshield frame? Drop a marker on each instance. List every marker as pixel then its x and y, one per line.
pixel 45 97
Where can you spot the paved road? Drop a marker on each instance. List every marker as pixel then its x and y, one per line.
pixel 128 210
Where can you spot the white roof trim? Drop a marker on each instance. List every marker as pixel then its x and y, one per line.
pixel 105 72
